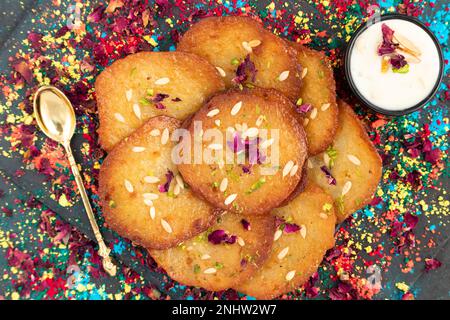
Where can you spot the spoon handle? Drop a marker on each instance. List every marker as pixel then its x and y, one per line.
pixel 104 251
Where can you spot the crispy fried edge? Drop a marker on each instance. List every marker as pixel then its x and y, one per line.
pixel 313 188
pixel 102 77
pixel 266 245
pixel 155 122
pixel 290 50
pixel 345 109
pixel 329 75
pixel 299 128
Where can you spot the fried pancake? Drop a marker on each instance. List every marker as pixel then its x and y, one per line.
pixel 142 195
pixel 148 84
pixel 296 255
pixel 319 90
pixel 226 41
pixel 200 262
pixel 236 179
pixel 356 165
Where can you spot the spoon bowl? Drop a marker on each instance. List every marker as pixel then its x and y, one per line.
pixel 54 114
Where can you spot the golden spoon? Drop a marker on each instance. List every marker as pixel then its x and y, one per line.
pixel 56 118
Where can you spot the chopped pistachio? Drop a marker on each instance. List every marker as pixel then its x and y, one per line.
pixel 332 154
pixel 258 184
pixel 340 204
pixel 196 268
pixel 404 69
pixel 219 265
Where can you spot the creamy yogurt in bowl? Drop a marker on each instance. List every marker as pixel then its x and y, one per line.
pixel 395 65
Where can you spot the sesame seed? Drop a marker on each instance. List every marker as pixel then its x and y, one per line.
pixel 247 46
pixel 221 72
pixel 346 188
pixel 221 163
pixel 162 81
pixel 283 253
pixel 128 186
pixel 155 132
pixel 326 159
pixel 290 275
pixel 240 241
pixel 138 149
pixel 266 144
pixel 152 213
pixel 305 122
pixel 223 185
pixel 325 106
pixel 251 132
pixel 129 94
pixel 313 114
pixel 287 168
pixel 277 235
pixel 304 72
pixel 210 271
pixel 151 179
pixel 213 113
pixel 165 136
pixel 293 170
pixel 205 256
pixel 179 181
pixel 323 215
pixel 166 226
pixel 303 231
pixel 254 43
pixel 215 146
pixel 176 190
pixel 284 75
pixel 217 122
pixel 150 196
pixel 119 117
pixel 236 108
pixel 137 110
pixel 259 121
pixel 353 159
pixel 148 202
pixel 230 198
pixel 310 164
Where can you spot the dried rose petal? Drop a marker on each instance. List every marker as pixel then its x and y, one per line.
pixel 291 228
pixel 22 68
pixel 398 61
pixel 165 187
pixel 410 221
pixel 286 226
pixel 245 70
pixel 433 156
pixel 220 236
pixel 304 108
pixel 432 264
pixel 246 224
pixel 160 106
pixel 387 46
pixel 96 15
pixel 159 97
pixel 331 179
pixel 247 169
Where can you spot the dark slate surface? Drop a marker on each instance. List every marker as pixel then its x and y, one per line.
pixel 14 22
